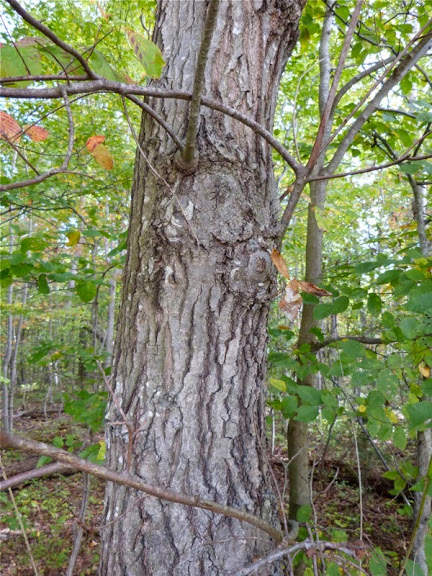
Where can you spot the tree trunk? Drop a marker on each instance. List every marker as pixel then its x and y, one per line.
pixel 190 355
pixel 298 444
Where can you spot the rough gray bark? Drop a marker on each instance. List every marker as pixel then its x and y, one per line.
pixel 190 352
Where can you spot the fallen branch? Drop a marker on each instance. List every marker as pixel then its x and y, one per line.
pixel 124 479
pixel 47 471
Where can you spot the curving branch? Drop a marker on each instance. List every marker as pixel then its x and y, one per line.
pixel 125 479
pixel 194 108
pixel 157 118
pixel 49 34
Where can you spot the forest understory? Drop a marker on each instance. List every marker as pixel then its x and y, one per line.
pixel 49 506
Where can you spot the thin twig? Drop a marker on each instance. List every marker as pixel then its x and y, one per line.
pixel 20 521
pixel 158 119
pixel 79 524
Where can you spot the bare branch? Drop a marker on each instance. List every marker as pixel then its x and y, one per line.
pixel 42 78
pixel 49 34
pixel 332 92
pixel 306 545
pixel 125 479
pixel 363 339
pixel 400 72
pixel 18 479
pixel 157 118
pixel 357 78
pixel 103 85
pixel 194 108
pixel 400 160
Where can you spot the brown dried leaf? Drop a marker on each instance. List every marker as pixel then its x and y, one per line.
pixel 103 157
pixel 9 128
pixel 36 133
pixel 312 289
pixel 292 301
pixel 279 262
pixel 93 141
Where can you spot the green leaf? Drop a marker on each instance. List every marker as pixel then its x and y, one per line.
pixel 332 569
pixel 86 291
pixel 374 304
pixel 33 244
pixel 304 513
pixel 278 384
pixel 23 63
pixel 310 395
pixel 147 53
pixel 400 438
pixel 100 65
pixel 419 414
pixel 43 284
pixel 336 307
pixel 409 327
pixel 307 413
pixel 377 563
pixel 289 406
pixel 352 348
pixel 413 568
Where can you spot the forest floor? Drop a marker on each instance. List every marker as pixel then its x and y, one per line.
pixel 49 508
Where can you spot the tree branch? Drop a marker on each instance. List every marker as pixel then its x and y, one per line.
pixel 125 479
pixel 157 118
pixel 194 108
pixel 400 160
pixel 363 339
pixel 48 470
pixel 332 93
pixel 400 72
pixel 103 85
pixel 49 34
pixel 306 545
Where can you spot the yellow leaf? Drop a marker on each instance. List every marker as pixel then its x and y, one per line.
pixel 362 408
pixel 392 416
pixel 73 237
pixel 425 370
pixel 279 262
pixel 103 157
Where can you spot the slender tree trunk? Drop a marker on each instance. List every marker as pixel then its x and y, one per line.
pixel 298 444
pixel 424 439
pixel 190 355
pixel 299 487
